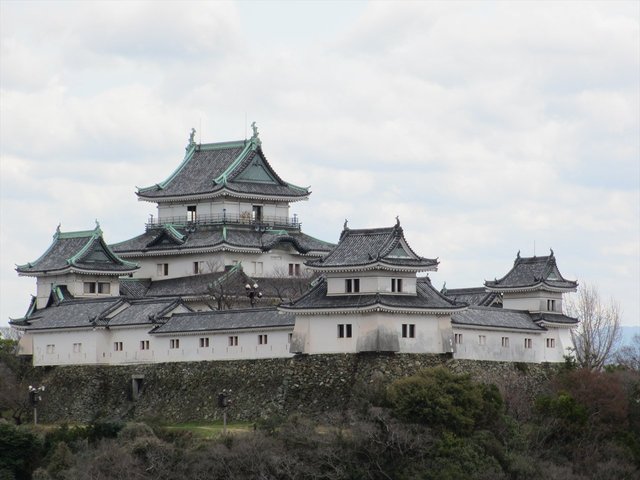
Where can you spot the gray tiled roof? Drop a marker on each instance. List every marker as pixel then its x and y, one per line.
pixel 84 250
pixel 553 318
pixel 530 271
pixel 369 246
pixel 427 298
pixel 70 314
pixel 134 287
pixel 496 318
pixel 213 167
pixel 216 236
pixel 142 312
pixel 472 296
pixel 79 313
pixel 226 320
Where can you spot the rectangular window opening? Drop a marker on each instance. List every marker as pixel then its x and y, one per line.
pixel 233 341
pixel 144 344
pixel 505 341
pixel 174 343
pixel 528 343
pixel 551 343
pixel 77 348
pixel 352 285
pixel 396 285
pixel 256 213
pixel 482 339
pixel 89 287
pixel 262 339
pixel 191 213
pixel 104 288
pixel 118 347
pixel 204 342
pixel 163 269
pixel 457 337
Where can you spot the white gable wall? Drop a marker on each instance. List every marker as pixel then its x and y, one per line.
pixel 371 282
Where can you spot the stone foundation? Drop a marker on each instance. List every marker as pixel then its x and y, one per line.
pixel 309 384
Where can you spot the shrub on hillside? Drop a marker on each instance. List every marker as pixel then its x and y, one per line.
pixel 445 401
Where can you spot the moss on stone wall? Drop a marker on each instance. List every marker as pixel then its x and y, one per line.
pixel 312 384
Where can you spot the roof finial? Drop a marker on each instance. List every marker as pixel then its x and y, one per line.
pixel 255 140
pixel 58 228
pixel 397 220
pixel 518 256
pixel 192 140
pixel 551 249
pixel 97 223
pixel 345 227
pixel 444 288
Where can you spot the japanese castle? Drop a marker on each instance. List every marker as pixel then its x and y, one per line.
pixel 224 271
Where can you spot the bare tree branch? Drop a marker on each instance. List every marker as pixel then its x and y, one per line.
pixel 598 332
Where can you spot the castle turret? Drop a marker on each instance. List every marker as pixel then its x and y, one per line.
pixel 77 264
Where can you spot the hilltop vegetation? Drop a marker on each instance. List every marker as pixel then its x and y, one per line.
pixel 434 425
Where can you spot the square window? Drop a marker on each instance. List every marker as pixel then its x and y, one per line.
pixel 51 348
pixel 174 343
pixel 396 285
pixel 89 287
pixel 408 330
pixel 204 342
pixel 551 305
pixel 352 285
pixel 77 347
pixel 551 343
pixel 118 347
pixel 345 330
pixel 104 288
pixel 262 339
pixel 163 269
pixel 505 342
pixel 457 338
pixel 144 344
pixel 198 267
pixel 233 341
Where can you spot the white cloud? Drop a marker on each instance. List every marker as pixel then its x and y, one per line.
pixel 485 126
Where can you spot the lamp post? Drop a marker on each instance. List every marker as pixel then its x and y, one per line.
pixel 34 398
pixel 223 402
pixel 253 293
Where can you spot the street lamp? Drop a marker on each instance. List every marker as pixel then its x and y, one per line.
pixel 252 293
pixel 223 402
pixel 34 398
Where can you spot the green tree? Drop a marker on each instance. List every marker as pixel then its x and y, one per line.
pixel 443 400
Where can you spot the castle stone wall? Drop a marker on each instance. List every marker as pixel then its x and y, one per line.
pixel 315 385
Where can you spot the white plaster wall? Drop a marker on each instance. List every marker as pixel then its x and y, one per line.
pixel 63 342
pixel 233 208
pixel 471 349
pixel 432 333
pixel 274 263
pixel 98 346
pixel 319 333
pixel 532 301
pixel 75 285
pixel 219 349
pixel 375 281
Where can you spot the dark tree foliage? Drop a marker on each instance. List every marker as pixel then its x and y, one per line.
pixel 19 452
pixel 446 401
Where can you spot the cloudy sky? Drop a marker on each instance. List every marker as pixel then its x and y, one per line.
pixel 488 127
